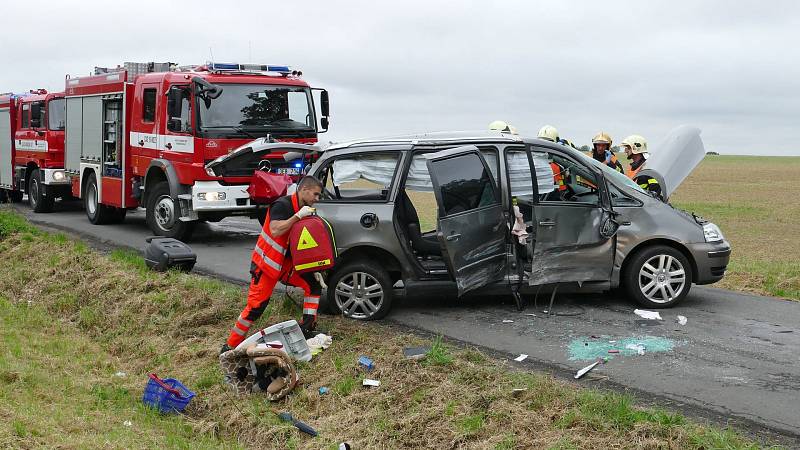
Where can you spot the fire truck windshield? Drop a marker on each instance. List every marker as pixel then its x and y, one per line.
pixel 257 109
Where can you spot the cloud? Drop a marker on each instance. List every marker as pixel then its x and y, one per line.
pixel 623 67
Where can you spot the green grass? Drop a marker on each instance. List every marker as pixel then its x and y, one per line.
pixel 70 322
pixel 58 384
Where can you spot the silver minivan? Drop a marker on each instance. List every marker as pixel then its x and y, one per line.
pixel 489 212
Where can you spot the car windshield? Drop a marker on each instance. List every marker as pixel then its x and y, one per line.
pixel 611 174
pixel 255 107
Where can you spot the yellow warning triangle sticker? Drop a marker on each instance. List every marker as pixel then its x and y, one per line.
pixel 306 241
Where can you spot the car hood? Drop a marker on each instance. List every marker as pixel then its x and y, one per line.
pixel 674 158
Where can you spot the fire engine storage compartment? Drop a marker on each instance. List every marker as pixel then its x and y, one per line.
pixel 112 137
pixel 6 153
pixel 84 141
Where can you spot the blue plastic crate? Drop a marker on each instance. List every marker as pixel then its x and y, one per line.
pixel 168 395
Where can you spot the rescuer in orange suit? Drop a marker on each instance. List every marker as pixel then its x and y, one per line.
pixel 271 262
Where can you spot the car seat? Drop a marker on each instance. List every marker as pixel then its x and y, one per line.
pixel 423 245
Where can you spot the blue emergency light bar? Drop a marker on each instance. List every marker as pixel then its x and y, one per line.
pixel 236 67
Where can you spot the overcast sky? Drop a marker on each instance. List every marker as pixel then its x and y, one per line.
pixel 729 68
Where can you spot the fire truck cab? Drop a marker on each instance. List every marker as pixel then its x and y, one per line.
pixel 145 140
pixel 33 163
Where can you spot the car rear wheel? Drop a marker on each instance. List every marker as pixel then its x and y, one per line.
pixel 360 291
pixel 658 277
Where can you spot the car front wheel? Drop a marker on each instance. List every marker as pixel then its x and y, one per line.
pixel 658 277
pixel 361 291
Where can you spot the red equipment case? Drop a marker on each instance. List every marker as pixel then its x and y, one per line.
pixel 312 245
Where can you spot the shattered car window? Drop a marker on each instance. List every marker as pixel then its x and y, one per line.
pixel 360 176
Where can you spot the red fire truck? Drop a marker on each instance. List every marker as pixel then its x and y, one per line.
pixel 145 140
pixel 32 148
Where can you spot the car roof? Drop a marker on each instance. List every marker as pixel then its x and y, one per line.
pixel 441 138
pixel 438 137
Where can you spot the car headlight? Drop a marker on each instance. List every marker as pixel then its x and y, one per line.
pixel 58 176
pixel 712 233
pixel 211 196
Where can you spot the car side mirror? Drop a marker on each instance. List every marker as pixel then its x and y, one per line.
pixel 609 227
pixel 323 122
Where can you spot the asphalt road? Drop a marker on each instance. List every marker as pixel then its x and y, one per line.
pixel 737 358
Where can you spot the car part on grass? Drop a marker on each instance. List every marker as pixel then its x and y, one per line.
pixel 300 425
pixel 164 253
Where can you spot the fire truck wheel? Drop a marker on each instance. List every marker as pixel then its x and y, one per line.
pixel 36 198
pixel 97 213
pixel 360 290
pixel 163 214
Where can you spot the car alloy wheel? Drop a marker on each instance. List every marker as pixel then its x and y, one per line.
pixel 359 295
pixel 662 279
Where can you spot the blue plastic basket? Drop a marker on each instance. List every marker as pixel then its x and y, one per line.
pixel 167 395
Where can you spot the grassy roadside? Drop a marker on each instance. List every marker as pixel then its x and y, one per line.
pixel 72 318
pixel 756 202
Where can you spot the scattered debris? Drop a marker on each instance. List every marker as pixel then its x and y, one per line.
pixel 784 331
pixel 323 390
pixel 416 352
pixel 319 343
pixel 120 374
pixel 682 320
pixel 305 428
pixel 508 321
pixel 594 337
pixel 517 392
pixel 521 357
pixel 613 350
pixel 167 395
pixel 368 382
pixel 586 349
pixel 531 314
pixel 366 363
pixel 638 348
pixel 127 423
pixel 645 314
pixel 588 368
pixel 345 446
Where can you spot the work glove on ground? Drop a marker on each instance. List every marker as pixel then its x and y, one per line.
pixel 305 211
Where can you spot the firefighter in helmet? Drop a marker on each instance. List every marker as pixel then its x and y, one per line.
pixel 503 127
pixel 601 151
pixel 549 133
pixel 271 262
pixel 635 147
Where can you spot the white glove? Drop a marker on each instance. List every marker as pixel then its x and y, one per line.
pixel 305 211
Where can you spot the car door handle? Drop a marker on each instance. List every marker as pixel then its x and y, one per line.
pixel 547 223
pixel 453 237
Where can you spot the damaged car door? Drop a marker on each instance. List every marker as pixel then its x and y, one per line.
pixel 472 227
pixel 574 236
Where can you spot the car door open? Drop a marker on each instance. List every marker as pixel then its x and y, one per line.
pixel 472 228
